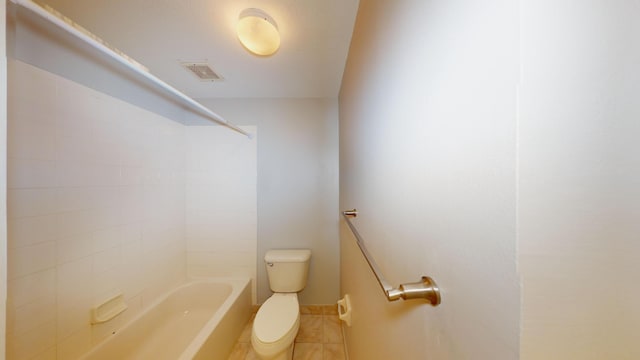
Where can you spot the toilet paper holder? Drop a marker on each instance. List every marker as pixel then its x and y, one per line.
pixel 344 309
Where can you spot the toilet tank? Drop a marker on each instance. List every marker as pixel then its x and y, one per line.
pixel 287 270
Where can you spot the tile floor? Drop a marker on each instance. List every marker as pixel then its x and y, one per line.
pixel 319 337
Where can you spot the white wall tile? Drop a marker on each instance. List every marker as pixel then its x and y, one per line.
pixel 107 259
pixel 106 283
pixel 103 175
pixel 132 265
pixel 77 150
pixel 75 199
pixel 131 175
pixel 27 173
pixel 36 89
pixel 229 264
pixel 221 203
pixel 107 196
pixel 107 217
pixel 77 211
pixel 107 238
pixel 49 354
pixel 32 202
pixel 32 141
pixel 110 126
pixel 30 259
pixel 72 174
pixel 32 315
pixel 74 278
pixel 32 343
pixel 74 247
pixel 26 289
pixel 222 259
pixel 77 222
pixel 72 319
pixel 32 230
pixel 74 345
pixel 131 232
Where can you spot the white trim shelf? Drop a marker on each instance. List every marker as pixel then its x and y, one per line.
pixel 127 63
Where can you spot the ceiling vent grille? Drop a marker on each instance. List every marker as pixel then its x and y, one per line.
pixel 202 70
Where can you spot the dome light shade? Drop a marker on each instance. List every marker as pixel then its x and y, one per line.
pixel 258 32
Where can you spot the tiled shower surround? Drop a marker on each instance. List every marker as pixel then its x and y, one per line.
pixel 97 204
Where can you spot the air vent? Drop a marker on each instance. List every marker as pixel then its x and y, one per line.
pixel 203 71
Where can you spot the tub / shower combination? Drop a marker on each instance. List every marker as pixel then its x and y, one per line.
pixel 198 320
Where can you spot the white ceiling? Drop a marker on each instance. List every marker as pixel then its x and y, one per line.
pixel 160 33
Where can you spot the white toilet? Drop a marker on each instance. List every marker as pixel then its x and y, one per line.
pixel 278 320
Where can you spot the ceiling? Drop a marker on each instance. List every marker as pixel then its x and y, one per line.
pixel 315 37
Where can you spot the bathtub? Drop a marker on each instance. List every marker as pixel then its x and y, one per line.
pixel 198 320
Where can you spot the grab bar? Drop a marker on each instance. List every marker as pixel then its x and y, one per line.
pixel 426 288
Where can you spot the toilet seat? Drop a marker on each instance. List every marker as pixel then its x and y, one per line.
pixel 277 319
pixel 276 325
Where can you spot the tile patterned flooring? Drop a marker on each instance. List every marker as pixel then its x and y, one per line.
pixel 319 337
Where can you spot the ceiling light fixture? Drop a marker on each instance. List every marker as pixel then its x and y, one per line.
pixel 258 32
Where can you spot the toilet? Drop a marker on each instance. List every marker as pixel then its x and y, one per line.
pixel 278 319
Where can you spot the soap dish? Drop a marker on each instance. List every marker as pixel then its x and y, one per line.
pixel 109 309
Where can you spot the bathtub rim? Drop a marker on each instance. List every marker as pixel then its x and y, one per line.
pixel 238 285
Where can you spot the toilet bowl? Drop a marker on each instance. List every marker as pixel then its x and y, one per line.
pixel 276 326
pixel 278 319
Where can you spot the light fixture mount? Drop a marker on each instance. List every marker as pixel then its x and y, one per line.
pixel 258 32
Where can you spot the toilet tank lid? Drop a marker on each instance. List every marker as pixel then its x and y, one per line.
pixel 288 255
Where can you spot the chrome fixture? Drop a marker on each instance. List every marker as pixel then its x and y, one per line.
pixel 426 288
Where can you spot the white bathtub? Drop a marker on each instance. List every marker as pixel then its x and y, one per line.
pixel 199 320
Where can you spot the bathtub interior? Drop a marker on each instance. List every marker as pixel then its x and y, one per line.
pixel 183 324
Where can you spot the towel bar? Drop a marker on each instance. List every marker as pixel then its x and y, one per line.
pixel 426 288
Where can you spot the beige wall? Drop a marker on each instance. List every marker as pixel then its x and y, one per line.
pixel 478 168
pixel 578 180
pixel 428 157
pixel 297 184
pixel 3 177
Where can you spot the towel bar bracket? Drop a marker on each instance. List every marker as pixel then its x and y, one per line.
pixel 352 212
pixel 426 289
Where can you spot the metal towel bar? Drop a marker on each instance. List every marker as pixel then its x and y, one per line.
pixel 426 288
